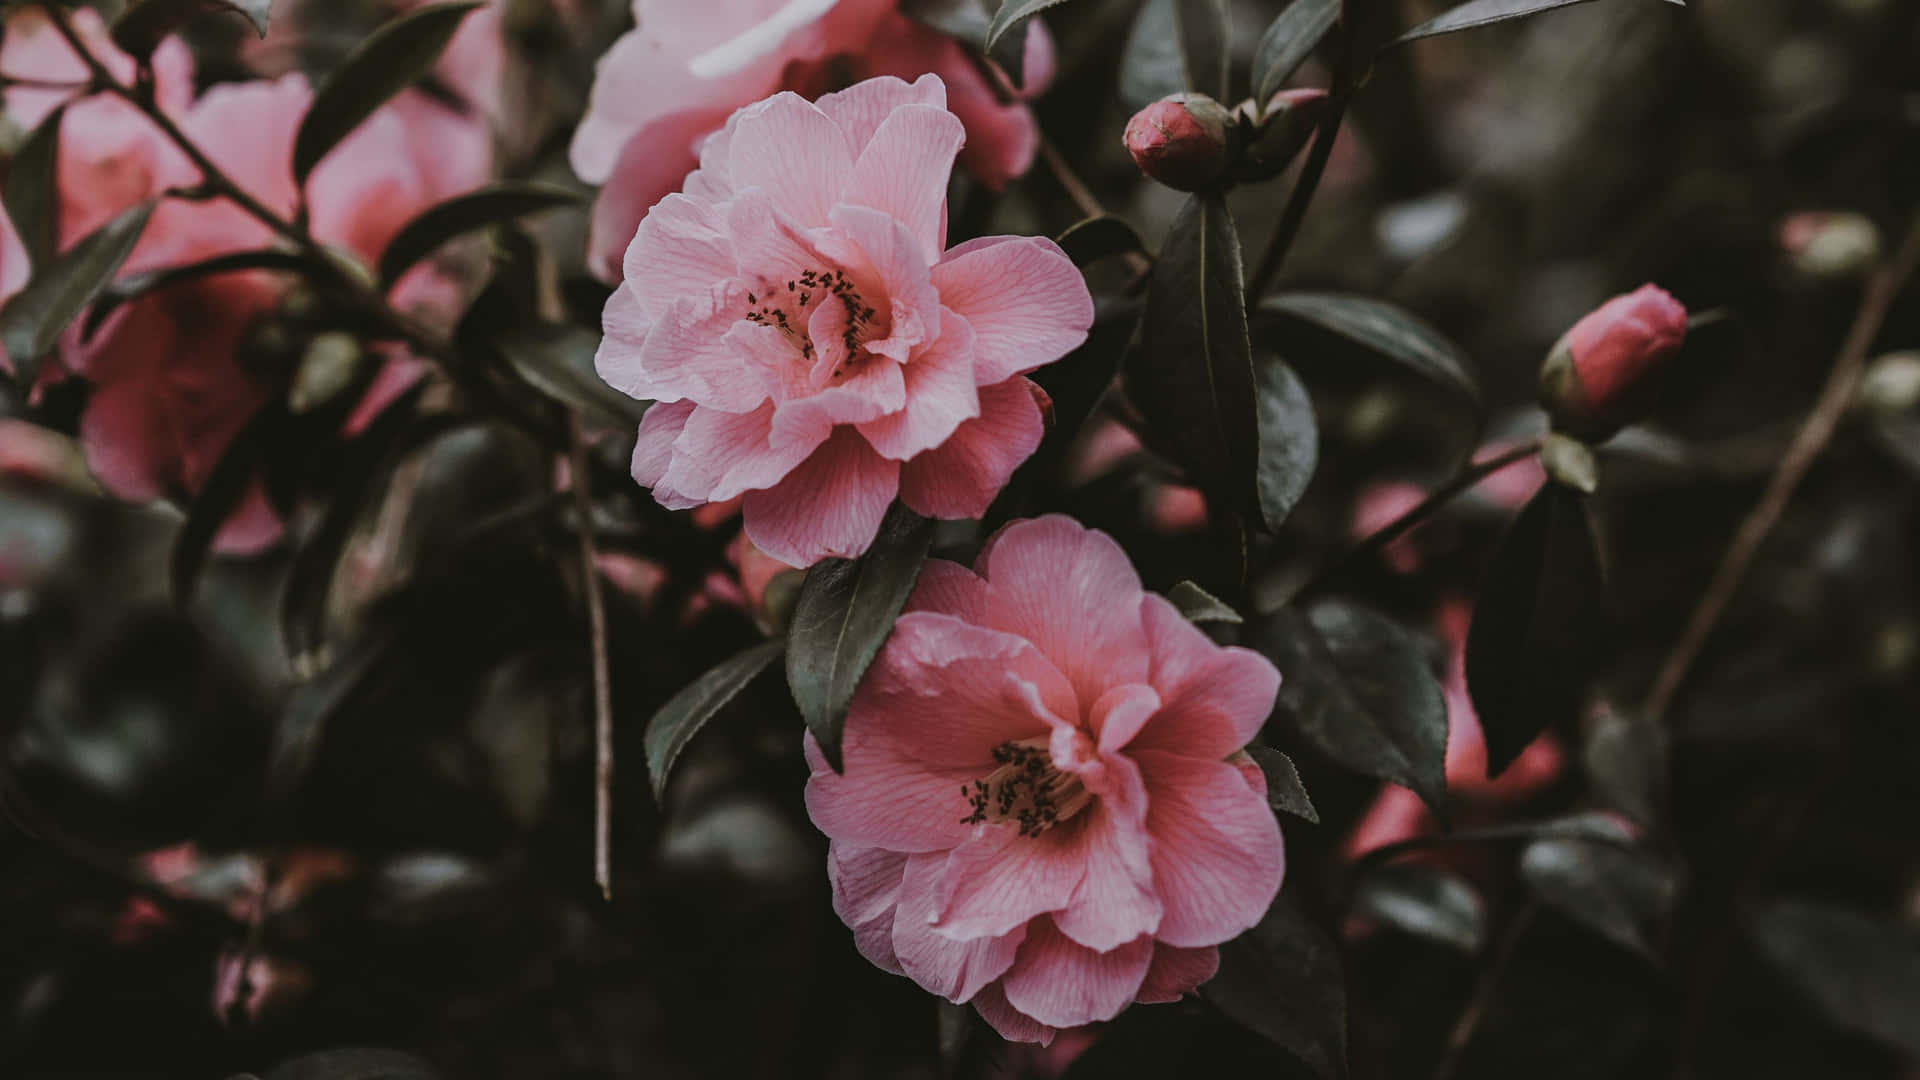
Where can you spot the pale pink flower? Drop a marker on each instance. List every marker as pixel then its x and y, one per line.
pixel 1045 810
pixel 674 79
pixel 807 343
pixel 14 270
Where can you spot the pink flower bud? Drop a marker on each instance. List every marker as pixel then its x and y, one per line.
pixel 1605 372
pixel 1181 140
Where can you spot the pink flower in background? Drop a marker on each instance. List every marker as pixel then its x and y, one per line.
pixel 808 344
pixel 14 270
pixel 672 81
pixel 1044 810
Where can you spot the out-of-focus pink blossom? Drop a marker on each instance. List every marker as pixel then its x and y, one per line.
pixel 14 270
pixel 1606 371
pixel 808 343
pixel 1045 810
pixel 673 80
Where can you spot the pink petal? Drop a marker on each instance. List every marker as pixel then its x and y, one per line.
pixel 946 693
pixel 692 353
pixel 1215 699
pixel 651 166
pixel 948 588
pixel 760 42
pixel 1010 1023
pixel 1025 300
pixel 1217 854
pixel 792 151
pixel 1001 138
pixel 1064 984
pixel 886 248
pixel 1176 972
pixel 866 891
pixel 678 252
pixel 623 333
pixel 962 476
pixel 1116 901
pixel 940 392
pixel 861 108
pixel 955 970
pixel 998 880
pixel 874 387
pixel 653 451
pixel 830 506
pixel 903 172
pixel 722 455
pixel 1120 714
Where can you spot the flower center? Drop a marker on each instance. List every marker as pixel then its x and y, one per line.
pixel 1025 789
pixel 788 307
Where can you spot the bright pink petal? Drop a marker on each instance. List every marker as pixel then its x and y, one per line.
pixel 1061 983
pixel 651 166
pixel 1176 972
pixel 1001 138
pixel 691 352
pixel 866 892
pixel 792 151
pixel 940 395
pixel 998 879
pixel 1026 301
pixel 1217 855
pixel 860 109
pixel 1215 699
pixel 955 970
pixel 653 451
pixel 1120 714
pixel 722 455
pixel 623 333
pixel 903 172
pixel 962 476
pixel 1010 1023
pixel 969 689
pixel 874 245
pixel 1116 901
pixel 679 252
pixel 947 588
pixel 830 506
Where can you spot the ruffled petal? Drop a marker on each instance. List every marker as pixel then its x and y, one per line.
pixel 1177 972
pixel 940 395
pixel 830 506
pixel 955 970
pixel 1026 301
pixel 1215 699
pixel 962 476
pixel 1062 983
pixel 1217 854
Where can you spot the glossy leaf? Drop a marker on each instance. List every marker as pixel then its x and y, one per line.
pixel 1385 331
pixel 1152 64
pixel 1192 371
pixel 38 314
pixel 682 717
pixel 1861 971
pixel 134 286
pixel 1283 980
pixel 143 26
pixel 844 613
pixel 1483 12
pixel 1204 45
pixel 214 503
pixel 1289 39
pixel 1361 690
pixel 1289 441
pixel 1425 901
pixel 395 57
pixel 32 193
pixel 1621 893
pixel 463 214
pixel 1201 606
pixel 1011 14
pixel 558 362
pixel 1095 238
pixel 1538 627
pixel 1284 790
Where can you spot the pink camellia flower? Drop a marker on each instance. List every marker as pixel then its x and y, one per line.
pixel 1606 371
pixel 808 344
pixel 666 85
pixel 1045 810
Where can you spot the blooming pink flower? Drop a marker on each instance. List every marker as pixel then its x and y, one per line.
pixel 1044 809
pixel 673 80
pixel 807 343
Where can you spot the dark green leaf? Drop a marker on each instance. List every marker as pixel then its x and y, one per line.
pixel 134 286
pixel 1861 971
pixel 1626 761
pixel 1200 606
pixel 558 362
pixel 1192 372
pixel 1204 43
pixel 1360 689
pixel 462 214
pixel 1538 626
pixel 1284 789
pixel 395 57
pixel 34 319
pixel 963 19
pixel 682 717
pixel 32 193
pixel 844 614
pixel 1425 901
pixel 1011 14
pixel 142 27
pixel 353 1064
pixel 1151 65
pixel 214 503
pixel 1619 892
pixel 1289 441
pixel 1383 330
pixel 1289 39
pixel 1095 238
pixel 1481 12
pixel 1283 980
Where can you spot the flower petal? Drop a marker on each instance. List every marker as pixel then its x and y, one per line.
pixel 866 893
pixel 1025 300
pixel 1176 972
pixel 1061 983
pixel 792 151
pixel 956 970
pixel 998 879
pixel 831 505
pixel 903 172
pixel 653 450
pixel 962 476
pixel 1116 901
pixel 1217 853
pixel 678 251
pixel 1010 1023
pixel 893 255
pixel 860 109
pixel 940 395
pixel 1215 699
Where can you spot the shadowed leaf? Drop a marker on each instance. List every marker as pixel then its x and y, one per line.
pixel 1621 893
pixel 682 717
pixel 1424 901
pixel 438 224
pixel 1861 971
pixel 1283 980
pixel 1289 39
pixel 1200 606
pixel 142 28
pixel 33 191
pixel 1483 12
pixel 34 319
pixel 1289 441
pixel 1284 789
pixel 1096 238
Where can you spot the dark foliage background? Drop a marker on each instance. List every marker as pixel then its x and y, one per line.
pixel 411 793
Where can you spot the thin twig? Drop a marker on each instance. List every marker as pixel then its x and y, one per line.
pixel 1084 198
pixel 1476 1010
pixel 602 682
pixel 1308 182
pixel 1886 284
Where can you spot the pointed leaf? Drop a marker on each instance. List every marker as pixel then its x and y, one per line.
pixel 1482 12
pixel 558 362
pixel 1284 789
pixel 395 57
pixel 142 27
pixel 1621 893
pixel 1383 330
pixel 134 286
pixel 1538 626
pixel 1011 14
pixel 1095 238
pixel 1192 371
pixel 34 319
pixel 438 224
pixel 682 717
pixel 1201 606
pixel 1425 901
pixel 1152 65
pixel 844 613
pixel 1861 971
pixel 236 470
pixel 1289 39
pixel 1360 689
pixel 33 191
pixel 1283 980
pixel 1203 43
pixel 1289 441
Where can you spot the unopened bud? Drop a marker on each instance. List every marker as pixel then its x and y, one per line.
pixel 1605 372
pixel 1570 463
pixel 1281 131
pixel 1826 245
pixel 1182 140
pixel 329 366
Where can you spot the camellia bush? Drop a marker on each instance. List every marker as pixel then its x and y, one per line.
pixel 926 538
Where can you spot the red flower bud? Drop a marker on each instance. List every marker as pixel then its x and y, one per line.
pixel 1605 372
pixel 1181 140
